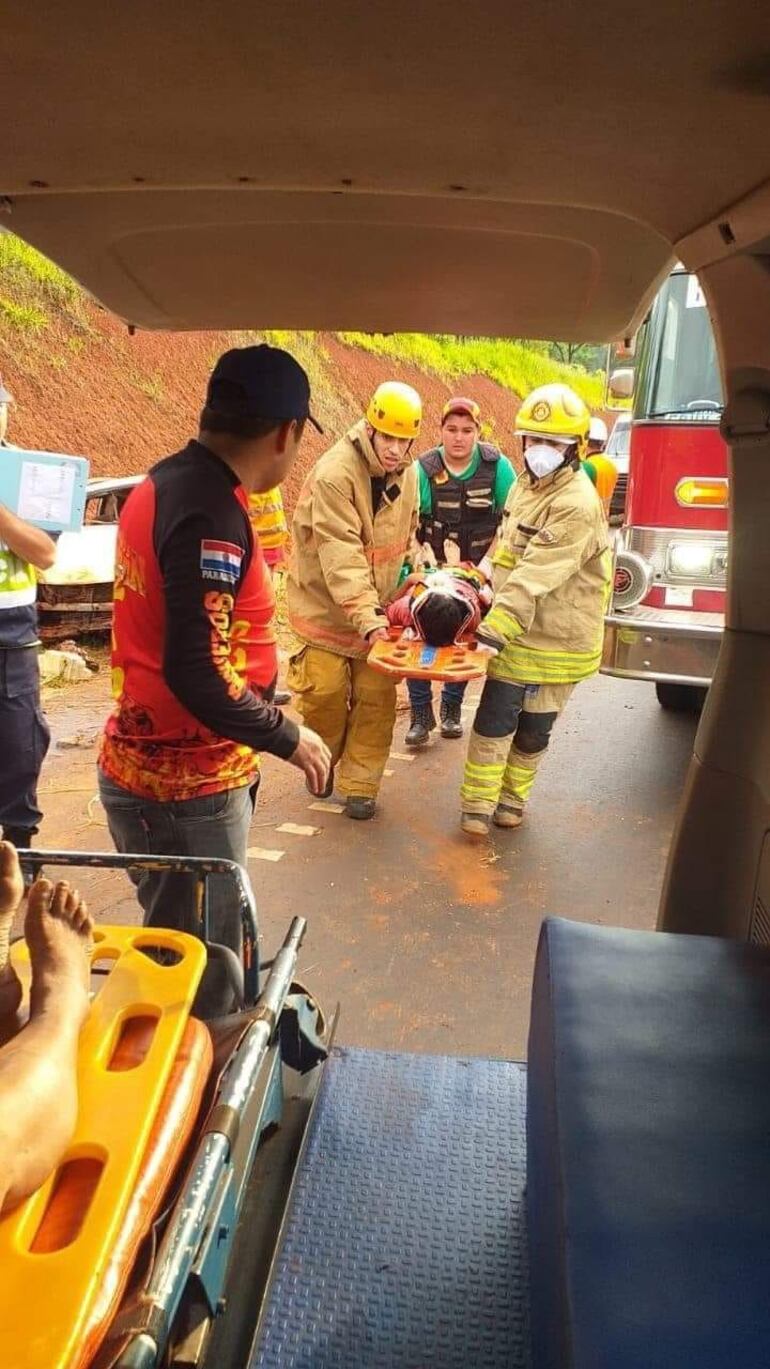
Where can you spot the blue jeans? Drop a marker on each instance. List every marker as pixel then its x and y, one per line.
pixel 216 825
pixel 421 692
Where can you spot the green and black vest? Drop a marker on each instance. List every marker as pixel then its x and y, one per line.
pixel 463 510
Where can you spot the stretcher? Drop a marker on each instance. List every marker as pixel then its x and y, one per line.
pixel 407 657
pixel 123 1253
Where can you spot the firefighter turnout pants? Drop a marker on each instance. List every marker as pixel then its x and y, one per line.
pixel 510 736
pixel 353 708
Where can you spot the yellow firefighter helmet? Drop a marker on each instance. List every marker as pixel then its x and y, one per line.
pixel 554 411
pixel 395 409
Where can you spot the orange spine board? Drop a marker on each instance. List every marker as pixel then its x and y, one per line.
pixel 411 659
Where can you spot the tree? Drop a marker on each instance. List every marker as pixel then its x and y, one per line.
pixel 585 354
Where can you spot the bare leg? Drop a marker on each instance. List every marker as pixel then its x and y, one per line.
pixel 38 1079
pixel 11 894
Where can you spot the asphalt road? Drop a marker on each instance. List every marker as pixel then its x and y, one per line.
pixel 426 940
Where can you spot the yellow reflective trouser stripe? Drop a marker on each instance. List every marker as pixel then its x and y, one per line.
pixel 484 777
pixel 484 770
pixel 508 780
pixel 519 776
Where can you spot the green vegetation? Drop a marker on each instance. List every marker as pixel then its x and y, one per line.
pixel 23 316
pixel 36 293
pixel 23 265
pixel 519 366
pixel 151 386
pixel 35 290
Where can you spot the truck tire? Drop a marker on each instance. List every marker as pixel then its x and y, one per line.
pixel 680 698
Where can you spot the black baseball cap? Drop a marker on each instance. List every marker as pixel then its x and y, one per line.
pixel 260 382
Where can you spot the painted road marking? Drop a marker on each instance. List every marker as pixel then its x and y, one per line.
pixel 260 853
pixel 298 829
pixel 400 756
pixel 327 807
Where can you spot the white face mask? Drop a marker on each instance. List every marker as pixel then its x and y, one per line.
pixel 543 459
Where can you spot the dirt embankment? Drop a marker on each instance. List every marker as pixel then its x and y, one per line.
pixel 124 401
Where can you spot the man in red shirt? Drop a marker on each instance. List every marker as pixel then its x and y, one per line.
pixel 194 648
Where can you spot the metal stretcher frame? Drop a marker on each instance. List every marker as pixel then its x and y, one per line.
pixel 201 868
pixel 198 1241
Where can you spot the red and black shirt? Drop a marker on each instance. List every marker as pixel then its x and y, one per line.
pixel 194 651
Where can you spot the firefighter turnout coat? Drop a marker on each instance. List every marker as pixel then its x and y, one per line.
pixel 551 581
pixel 352 529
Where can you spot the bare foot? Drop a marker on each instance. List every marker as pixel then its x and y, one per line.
pixel 58 932
pixel 11 894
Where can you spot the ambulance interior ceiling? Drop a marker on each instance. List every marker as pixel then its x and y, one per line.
pixel 495 168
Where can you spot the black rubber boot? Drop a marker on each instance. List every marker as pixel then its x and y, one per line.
pixel 423 723
pixel 359 807
pixel 451 718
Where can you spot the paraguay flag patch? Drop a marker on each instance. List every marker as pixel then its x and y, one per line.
pixel 220 560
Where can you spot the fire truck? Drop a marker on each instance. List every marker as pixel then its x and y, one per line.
pixel 667 614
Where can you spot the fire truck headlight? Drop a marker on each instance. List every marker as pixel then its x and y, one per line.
pixel 633 577
pixel 690 560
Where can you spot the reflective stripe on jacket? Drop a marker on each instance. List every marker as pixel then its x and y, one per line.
pixel 552 581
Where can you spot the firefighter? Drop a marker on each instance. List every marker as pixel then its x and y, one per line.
pixel 602 472
pixel 353 526
pixel 597 437
pixel 464 484
pixel 551 580
pixel 24 733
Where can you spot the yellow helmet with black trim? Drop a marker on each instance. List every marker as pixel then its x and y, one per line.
pixel 554 411
pixel 395 409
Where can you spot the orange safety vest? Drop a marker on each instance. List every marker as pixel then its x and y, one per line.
pixel 603 474
pixel 268 521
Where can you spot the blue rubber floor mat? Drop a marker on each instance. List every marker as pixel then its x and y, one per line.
pixel 405 1243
